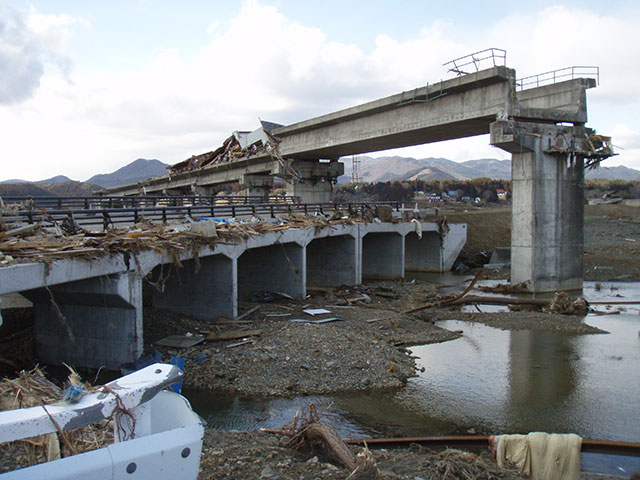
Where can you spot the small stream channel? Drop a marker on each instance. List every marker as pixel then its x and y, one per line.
pixel 486 382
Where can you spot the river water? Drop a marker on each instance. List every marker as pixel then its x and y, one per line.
pixel 489 381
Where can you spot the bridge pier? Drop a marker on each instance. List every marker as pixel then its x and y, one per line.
pixel 276 268
pixel 315 182
pixel 99 322
pixel 333 261
pixel 205 291
pixel 257 185
pixel 547 239
pixel 383 255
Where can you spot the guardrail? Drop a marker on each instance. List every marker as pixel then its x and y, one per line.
pixel 560 75
pixel 459 66
pixel 94 202
pixel 110 217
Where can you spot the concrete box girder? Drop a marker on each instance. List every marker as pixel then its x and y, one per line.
pixel 456 108
pixel 104 310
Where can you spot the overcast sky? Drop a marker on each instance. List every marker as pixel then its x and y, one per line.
pixel 87 87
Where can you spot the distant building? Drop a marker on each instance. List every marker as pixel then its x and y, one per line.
pixel 502 194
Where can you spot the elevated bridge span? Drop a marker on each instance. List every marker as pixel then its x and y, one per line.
pixel 542 127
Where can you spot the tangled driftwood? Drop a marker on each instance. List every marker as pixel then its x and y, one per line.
pixel 309 431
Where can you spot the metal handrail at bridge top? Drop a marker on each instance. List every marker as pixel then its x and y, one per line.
pixel 105 218
pixel 104 202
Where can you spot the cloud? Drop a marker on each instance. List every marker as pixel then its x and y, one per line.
pixel 27 45
pixel 263 64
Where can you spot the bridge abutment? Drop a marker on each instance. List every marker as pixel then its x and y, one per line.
pixel 547 239
pixel 333 261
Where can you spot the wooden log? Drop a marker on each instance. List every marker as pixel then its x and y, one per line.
pixel 332 443
pixel 450 300
pixel 233 335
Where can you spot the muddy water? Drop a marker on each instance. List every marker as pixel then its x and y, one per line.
pixel 489 381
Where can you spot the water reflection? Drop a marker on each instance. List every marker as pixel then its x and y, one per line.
pixel 227 412
pixel 542 378
pixel 490 381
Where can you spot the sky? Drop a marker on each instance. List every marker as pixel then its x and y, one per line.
pixel 87 87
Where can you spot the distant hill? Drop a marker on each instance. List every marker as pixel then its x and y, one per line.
pixel 140 169
pixel 22 189
pixel 54 180
pixel 613 173
pixel 60 189
pixel 14 180
pixel 383 169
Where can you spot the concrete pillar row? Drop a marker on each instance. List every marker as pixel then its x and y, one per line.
pixel 97 322
pixel 547 170
pixel 92 323
pixel 205 289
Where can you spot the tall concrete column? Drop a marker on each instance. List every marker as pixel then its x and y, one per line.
pixel 257 186
pixel 547 170
pixel 91 323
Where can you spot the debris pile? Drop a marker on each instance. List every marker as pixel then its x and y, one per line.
pixel 30 389
pixel 308 431
pixel 40 242
pixel 229 151
pixel 563 303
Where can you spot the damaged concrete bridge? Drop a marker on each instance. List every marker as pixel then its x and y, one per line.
pixel 88 311
pixel 540 120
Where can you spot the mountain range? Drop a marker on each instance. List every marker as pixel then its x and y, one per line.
pixel 380 169
pixel 383 169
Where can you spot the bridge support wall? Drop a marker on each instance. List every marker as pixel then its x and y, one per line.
pixel 547 239
pixel 383 255
pixel 102 306
pixel 99 322
pixel 205 290
pixel 333 261
pixel 276 268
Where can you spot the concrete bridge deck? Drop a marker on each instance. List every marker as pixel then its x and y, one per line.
pixel 89 312
pixel 455 108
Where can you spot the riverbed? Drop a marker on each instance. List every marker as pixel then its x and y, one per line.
pixel 488 381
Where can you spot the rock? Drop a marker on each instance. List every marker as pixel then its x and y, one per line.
pixel 267 472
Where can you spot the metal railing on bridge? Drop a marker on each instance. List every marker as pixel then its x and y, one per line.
pixel 560 75
pixel 475 61
pixel 105 218
pixel 103 202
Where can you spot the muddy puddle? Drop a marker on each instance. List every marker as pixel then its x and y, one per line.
pixel 490 381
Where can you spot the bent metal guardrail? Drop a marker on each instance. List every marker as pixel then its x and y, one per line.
pixel 110 217
pixel 459 66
